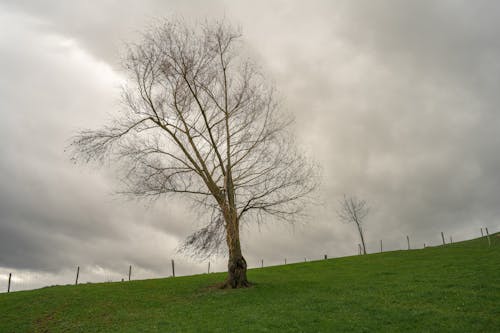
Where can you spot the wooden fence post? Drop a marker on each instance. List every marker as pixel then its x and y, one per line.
pixel 209 267
pixel 285 261
pixel 77 274
pixel 408 239
pixel 8 286
pixel 442 236
pixel 173 268
pixel 129 272
pixel 381 246
pixel 326 257
pixel 262 263
pixel 424 245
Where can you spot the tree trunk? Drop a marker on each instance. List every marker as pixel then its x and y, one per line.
pixel 237 265
pixel 362 239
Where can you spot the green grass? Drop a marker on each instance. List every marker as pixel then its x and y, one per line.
pixel 455 288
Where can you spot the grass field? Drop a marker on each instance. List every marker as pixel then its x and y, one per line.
pixel 455 288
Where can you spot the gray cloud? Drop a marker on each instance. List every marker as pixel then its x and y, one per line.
pixel 397 101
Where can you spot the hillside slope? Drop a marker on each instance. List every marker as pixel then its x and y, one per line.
pixel 454 288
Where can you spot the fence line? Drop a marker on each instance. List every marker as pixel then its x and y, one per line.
pixel 17 282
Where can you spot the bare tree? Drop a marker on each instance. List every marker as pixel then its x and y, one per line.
pixel 201 121
pixel 354 210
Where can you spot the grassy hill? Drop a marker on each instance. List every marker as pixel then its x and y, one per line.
pixel 455 288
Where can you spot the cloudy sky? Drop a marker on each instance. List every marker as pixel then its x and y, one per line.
pixel 397 101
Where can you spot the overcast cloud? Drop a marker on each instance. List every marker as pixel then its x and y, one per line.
pixel 397 101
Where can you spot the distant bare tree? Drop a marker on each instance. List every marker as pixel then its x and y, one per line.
pixel 200 120
pixel 354 210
